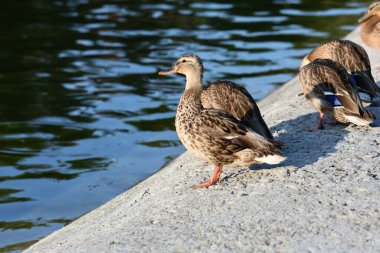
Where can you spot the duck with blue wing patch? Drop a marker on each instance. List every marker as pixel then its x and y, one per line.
pixel 355 60
pixel 329 89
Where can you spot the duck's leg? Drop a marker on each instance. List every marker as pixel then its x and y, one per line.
pixel 213 179
pixel 334 122
pixel 319 123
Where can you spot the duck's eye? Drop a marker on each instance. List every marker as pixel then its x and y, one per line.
pixel 183 60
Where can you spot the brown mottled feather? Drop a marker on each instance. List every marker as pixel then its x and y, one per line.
pixel 353 58
pixel 349 54
pixel 215 135
pixel 323 75
pixel 235 99
pixel 217 123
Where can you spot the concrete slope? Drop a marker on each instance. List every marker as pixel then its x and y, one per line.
pixel 324 198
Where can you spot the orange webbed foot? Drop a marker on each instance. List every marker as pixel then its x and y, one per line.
pixel 205 184
pixel 213 180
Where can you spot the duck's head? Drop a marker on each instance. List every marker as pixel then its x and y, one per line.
pixel 373 10
pixel 188 64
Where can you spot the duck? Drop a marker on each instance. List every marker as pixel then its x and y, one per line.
pixel 220 123
pixel 355 60
pixel 329 89
pixel 370 26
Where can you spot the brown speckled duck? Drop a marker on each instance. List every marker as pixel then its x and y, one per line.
pixel 355 60
pixel 214 124
pixel 370 26
pixel 329 89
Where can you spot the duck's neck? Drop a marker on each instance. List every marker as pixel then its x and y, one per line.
pixel 191 98
pixel 193 80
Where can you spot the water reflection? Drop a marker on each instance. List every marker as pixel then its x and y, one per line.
pixel 81 105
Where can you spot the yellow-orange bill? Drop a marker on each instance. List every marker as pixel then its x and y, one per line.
pixel 365 17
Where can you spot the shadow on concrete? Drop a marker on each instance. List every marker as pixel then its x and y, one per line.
pixel 303 147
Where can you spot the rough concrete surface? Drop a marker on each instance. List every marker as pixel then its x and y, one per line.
pixel 324 198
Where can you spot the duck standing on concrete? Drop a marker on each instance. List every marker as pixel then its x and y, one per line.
pixel 329 89
pixel 221 123
pixel 355 60
pixel 370 26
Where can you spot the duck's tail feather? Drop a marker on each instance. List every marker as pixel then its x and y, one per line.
pixel 365 83
pixel 264 145
pixel 365 97
pixel 271 159
pixel 279 144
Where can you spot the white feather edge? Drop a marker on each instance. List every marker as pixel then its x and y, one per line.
pixel 364 97
pixel 271 159
pixel 230 137
pixel 358 121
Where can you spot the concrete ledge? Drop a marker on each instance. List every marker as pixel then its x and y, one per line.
pixel 324 198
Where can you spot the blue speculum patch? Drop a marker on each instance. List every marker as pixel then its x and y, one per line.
pixel 353 79
pixel 333 100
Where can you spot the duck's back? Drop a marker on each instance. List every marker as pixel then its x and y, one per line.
pixel 235 100
pixel 350 55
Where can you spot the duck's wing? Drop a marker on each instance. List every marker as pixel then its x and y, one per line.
pixel 366 85
pixel 365 73
pixel 360 51
pixel 349 54
pixel 229 97
pixel 219 130
pixel 235 100
pixel 363 78
pixel 334 78
pixel 354 59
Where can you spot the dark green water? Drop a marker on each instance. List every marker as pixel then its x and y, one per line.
pixel 83 114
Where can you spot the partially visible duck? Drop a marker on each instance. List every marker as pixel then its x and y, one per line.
pixel 220 134
pixel 329 89
pixel 355 60
pixel 370 26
